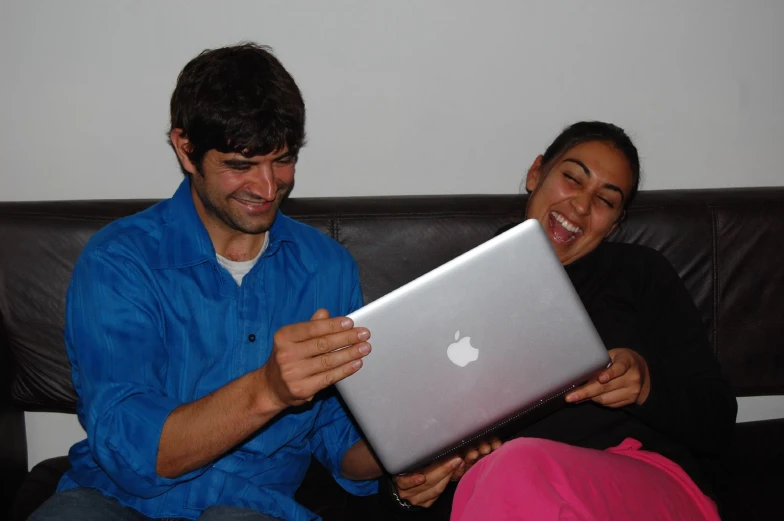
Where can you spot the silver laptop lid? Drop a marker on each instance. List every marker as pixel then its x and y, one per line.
pixel 463 348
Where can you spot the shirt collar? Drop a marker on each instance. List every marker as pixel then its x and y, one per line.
pixel 185 241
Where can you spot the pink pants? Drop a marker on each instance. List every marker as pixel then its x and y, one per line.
pixel 542 480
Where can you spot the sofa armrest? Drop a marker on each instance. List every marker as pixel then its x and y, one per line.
pixel 13 456
pixel 761 441
pixel 13 436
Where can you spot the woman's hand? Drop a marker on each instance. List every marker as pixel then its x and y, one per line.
pixel 625 382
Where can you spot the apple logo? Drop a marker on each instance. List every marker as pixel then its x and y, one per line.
pixel 461 352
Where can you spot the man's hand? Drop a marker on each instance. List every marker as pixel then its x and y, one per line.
pixel 304 359
pixel 474 455
pixel 625 382
pixel 423 488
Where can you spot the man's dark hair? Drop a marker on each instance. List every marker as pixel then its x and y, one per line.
pixel 588 131
pixel 238 99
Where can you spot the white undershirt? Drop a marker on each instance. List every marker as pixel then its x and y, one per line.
pixel 238 269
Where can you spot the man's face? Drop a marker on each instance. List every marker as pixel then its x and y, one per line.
pixel 243 193
pixel 238 193
pixel 580 198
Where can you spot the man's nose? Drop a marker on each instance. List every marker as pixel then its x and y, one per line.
pixel 264 182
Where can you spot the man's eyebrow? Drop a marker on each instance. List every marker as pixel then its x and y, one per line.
pixel 286 155
pixel 238 162
pixel 588 172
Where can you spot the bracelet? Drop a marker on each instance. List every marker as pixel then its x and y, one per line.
pixel 404 503
pixel 396 501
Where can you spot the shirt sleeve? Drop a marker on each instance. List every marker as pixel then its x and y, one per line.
pixel 114 338
pixel 334 432
pixel 689 398
pixel 333 435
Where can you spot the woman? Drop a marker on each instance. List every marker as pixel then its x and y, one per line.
pixel 645 438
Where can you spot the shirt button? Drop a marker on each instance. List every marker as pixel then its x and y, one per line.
pixel 252 337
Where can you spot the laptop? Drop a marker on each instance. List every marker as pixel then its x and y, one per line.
pixel 486 339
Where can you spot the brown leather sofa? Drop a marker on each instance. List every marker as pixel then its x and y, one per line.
pixel 728 246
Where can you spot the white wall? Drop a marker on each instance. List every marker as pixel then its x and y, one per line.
pixel 403 97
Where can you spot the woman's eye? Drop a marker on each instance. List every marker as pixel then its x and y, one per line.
pixel 571 179
pixel 607 202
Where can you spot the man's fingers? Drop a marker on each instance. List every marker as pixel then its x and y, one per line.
pixel 427 497
pixel 460 471
pixel 474 455
pixel 328 343
pixel 313 384
pixel 409 481
pixel 324 341
pixel 471 456
pixel 425 477
pixel 485 449
pixel 329 361
pixel 305 389
pixel 320 314
pixel 444 470
pixel 315 328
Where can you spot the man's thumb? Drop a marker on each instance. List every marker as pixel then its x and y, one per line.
pixel 320 314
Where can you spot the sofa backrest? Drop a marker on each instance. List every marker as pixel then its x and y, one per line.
pixel 727 245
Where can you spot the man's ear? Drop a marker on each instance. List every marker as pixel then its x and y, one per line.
pixel 534 175
pixel 182 147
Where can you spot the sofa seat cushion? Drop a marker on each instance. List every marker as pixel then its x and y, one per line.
pixel 38 486
pixel 319 492
pixel 757 471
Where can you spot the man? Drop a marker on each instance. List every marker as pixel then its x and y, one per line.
pixel 199 330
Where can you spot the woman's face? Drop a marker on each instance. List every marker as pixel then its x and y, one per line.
pixel 580 199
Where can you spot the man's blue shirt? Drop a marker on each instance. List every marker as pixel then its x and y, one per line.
pixel 154 322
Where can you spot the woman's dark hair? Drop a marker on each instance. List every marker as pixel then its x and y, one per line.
pixel 238 99
pixel 588 131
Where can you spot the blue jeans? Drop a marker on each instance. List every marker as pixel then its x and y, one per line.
pixel 87 504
